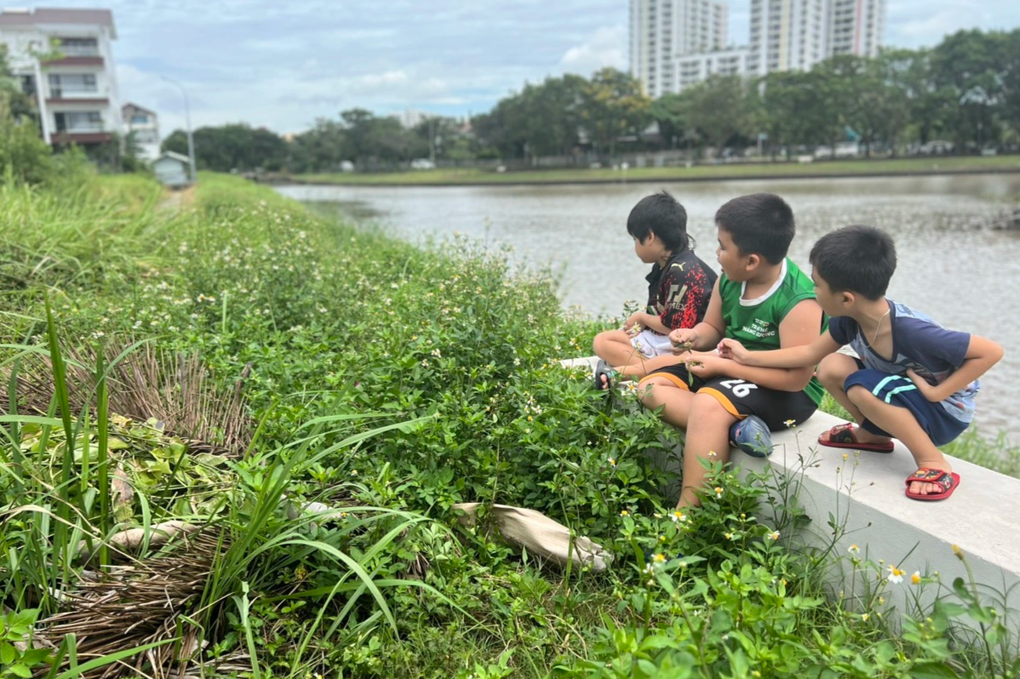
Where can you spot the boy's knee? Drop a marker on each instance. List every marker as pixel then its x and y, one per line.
pixel 858 394
pixel 706 406
pixel 832 372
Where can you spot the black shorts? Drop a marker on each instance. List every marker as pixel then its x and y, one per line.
pixel 742 398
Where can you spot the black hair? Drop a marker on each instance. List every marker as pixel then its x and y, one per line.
pixel 759 224
pixel 858 259
pixel 660 214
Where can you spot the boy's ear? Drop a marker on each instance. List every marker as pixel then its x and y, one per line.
pixel 848 298
pixel 753 260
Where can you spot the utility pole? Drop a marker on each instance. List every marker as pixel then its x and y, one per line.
pixel 187 119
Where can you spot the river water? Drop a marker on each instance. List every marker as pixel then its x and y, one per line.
pixel 953 265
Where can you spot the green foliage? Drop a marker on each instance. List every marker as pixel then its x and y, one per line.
pixel 389 384
pixel 231 147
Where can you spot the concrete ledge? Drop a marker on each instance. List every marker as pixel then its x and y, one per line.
pixel 865 492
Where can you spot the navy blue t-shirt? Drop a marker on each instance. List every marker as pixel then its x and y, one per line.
pixel 920 344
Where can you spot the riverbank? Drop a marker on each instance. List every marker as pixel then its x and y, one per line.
pixel 386 383
pixel 949 165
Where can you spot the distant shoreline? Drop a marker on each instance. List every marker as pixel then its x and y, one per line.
pixel 703 173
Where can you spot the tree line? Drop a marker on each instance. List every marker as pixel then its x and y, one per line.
pixel 966 91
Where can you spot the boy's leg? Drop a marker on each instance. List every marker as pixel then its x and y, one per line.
pixel 832 373
pixel 658 390
pixel 614 347
pixel 708 434
pixel 642 366
pixel 901 423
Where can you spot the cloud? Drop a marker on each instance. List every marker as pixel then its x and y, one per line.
pixel 284 64
pixel 604 47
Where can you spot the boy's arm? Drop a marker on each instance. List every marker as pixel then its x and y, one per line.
pixel 797 333
pixel 981 355
pixel 704 335
pixel 792 357
pixel 647 320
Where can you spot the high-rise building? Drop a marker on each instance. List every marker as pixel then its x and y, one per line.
pixel 855 27
pixel 663 30
pixel 786 35
pixel 64 61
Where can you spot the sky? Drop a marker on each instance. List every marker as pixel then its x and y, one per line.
pixel 284 63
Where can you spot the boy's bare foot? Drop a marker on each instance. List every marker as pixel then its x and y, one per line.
pixel 922 488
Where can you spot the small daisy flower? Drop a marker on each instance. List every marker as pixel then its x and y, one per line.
pixel 774 535
pixel 713 454
pixel 895 574
pixel 854 549
pixel 915 578
pixel 612 462
pixel 659 558
pixel 958 552
pixel 624 513
pixel 678 516
pixel 718 491
pixel 729 536
pixel 864 617
pixel 790 423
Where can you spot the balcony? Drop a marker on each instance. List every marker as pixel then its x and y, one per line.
pixel 75 61
pixel 76 137
pixel 91 101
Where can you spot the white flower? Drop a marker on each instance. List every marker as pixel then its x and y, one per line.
pixel 678 516
pixel 895 574
pixel 774 535
pixel 790 423
pixel 854 549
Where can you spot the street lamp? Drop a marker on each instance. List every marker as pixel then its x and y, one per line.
pixel 187 118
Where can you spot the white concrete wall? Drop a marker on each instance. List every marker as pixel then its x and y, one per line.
pixel 865 493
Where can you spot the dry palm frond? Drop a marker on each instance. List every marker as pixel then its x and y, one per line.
pixel 138 605
pixel 174 389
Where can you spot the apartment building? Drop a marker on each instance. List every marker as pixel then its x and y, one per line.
pixel 661 31
pixel 63 59
pixel 786 35
pixel 144 125
pixel 695 68
pixel 855 27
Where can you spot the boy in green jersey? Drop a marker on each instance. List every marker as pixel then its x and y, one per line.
pixel 766 302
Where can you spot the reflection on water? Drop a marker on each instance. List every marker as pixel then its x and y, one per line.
pixel 952 264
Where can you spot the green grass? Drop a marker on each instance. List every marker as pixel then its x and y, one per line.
pixel 698 172
pixel 389 383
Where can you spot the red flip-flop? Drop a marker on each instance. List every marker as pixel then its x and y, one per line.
pixel 948 480
pixel 842 436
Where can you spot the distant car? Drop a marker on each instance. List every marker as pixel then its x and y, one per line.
pixel 935 147
pixel 844 149
pixel 422 164
pixel 346 166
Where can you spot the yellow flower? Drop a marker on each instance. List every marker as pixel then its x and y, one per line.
pixel 790 423
pixel 916 578
pixel 659 558
pixel 729 536
pixel 712 453
pixel 864 617
pixel 624 513
pixel 612 462
pixel 718 491
pixel 958 552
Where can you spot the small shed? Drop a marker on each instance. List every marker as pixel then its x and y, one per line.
pixel 172 169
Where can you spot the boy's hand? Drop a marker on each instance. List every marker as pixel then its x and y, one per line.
pixel 633 321
pixel 733 350
pixel 683 340
pixel 930 392
pixel 705 365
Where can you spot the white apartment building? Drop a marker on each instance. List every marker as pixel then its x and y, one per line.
pixel 855 27
pixel 144 125
pixel 663 30
pixel 63 58
pixel 695 68
pixel 786 35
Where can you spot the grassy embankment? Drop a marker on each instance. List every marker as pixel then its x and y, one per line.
pixel 389 383
pixel 864 168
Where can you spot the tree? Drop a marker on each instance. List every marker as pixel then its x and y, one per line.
pixel 613 106
pixel 669 113
pixel 720 108
pixel 969 63
pixel 231 147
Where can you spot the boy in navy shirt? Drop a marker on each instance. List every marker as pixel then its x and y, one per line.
pixel 914 380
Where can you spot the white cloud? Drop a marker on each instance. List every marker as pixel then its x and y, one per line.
pixel 604 47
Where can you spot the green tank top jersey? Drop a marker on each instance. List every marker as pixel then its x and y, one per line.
pixel 755 322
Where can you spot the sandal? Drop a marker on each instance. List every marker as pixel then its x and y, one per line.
pixel 603 370
pixel 842 436
pixel 948 480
